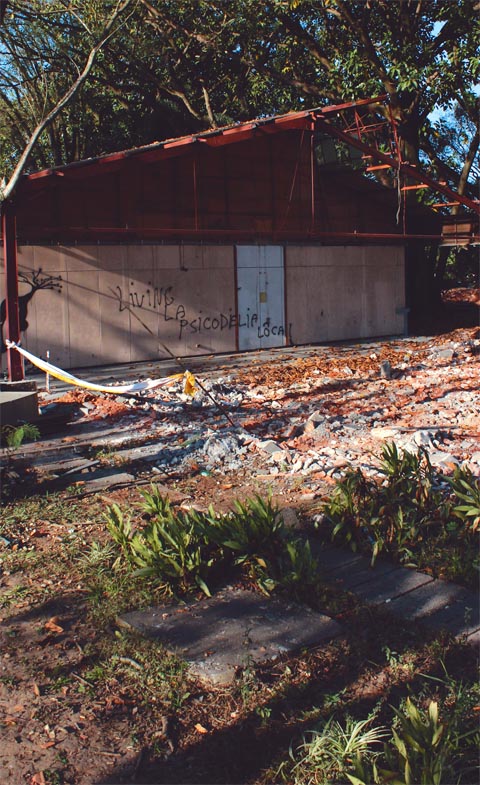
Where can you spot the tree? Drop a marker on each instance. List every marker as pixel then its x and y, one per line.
pixel 184 66
pixel 40 71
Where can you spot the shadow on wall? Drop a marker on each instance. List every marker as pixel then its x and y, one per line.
pixel 36 280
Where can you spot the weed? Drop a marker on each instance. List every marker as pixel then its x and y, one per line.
pixel 417 748
pixel 12 595
pixel 97 559
pixel 53 777
pixel 413 514
pixel 15 435
pixel 397 662
pixel 467 490
pixel 264 712
pixel 187 549
pixel 13 473
pixel 108 457
pixel 327 754
pixel 247 684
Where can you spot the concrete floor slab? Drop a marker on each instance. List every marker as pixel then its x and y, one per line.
pixel 219 635
pixel 17 407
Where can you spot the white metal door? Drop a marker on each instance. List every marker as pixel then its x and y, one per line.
pixel 260 297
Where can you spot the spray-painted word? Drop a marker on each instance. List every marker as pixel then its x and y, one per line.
pixel 161 300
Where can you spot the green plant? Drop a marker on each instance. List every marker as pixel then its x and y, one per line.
pixel 97 559
pixel 296 569
pixel 15 435
pixel 467 489
pixel 154 503
pixel 53 777
pixel 413 513
pixel 421 751
pixel 416 754
pixel 327 754
pixel 171 546
pixel 187 548
pixel 13 472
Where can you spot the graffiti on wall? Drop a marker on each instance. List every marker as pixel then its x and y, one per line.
pixel 36 280
pixel 162 300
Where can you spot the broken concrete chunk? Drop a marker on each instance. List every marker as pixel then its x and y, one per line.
pixel 269 447
pixel 443 460
pixel 219 448
pixel 385 370
pixel 446 354
pixel 280 456
pixel 384 433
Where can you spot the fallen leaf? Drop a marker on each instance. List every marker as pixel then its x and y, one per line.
pixel 200 729
pixel 36 689
pixel 52 626
pixel 37 779
pixel 48 744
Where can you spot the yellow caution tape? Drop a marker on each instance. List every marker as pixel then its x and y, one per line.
pixel 120 389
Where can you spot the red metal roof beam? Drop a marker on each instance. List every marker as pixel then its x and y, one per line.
pixel 388 159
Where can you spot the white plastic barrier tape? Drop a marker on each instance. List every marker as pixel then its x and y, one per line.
pixel 120 389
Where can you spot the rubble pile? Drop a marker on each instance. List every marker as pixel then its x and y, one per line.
pixel 300 413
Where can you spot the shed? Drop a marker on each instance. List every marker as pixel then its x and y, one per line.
pixel 245 237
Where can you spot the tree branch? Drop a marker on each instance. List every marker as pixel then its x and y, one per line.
pixel 108 31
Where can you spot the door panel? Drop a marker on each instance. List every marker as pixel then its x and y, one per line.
pixel 260 297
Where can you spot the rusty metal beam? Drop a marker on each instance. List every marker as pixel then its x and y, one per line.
pixel 408 169
pixel 12 325
pixel 210 235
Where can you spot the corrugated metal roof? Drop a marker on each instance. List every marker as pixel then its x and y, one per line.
pixel 214 137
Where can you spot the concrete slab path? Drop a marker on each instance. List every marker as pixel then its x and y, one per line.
pixel 219 635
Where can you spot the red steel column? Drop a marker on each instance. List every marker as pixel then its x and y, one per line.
pixel 9 229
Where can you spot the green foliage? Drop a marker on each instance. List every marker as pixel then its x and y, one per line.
pixel 178 67
pixel 421 751
pixel 15 435
pixel 327 754
pixel 467 489
pixel 171 546
pixel 418 749
pixel 183 549
pixel 414 514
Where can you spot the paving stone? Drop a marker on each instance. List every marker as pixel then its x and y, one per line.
pixel 461 617
pixel 332 559
pixel 426 601
pixel 219 635
pixel 385 588
pixel 359 572
pixel 103 478
pixel 474 638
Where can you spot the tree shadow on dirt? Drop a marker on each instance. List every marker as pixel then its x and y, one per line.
pixel 260 739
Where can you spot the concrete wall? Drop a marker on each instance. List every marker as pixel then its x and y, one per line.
pixel 336 293
pixel 117 304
